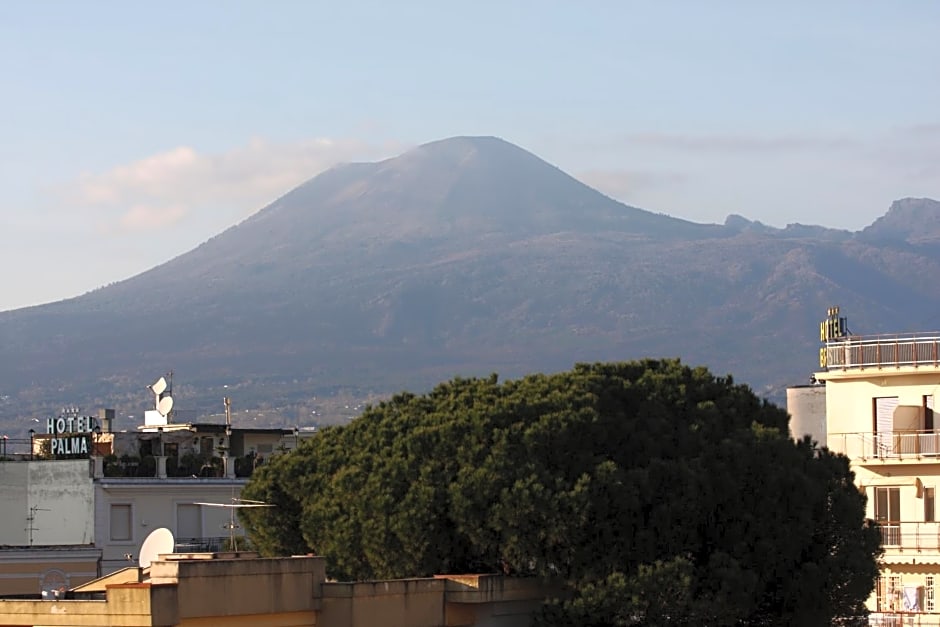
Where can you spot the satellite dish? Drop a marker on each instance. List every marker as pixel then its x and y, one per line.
pixel 165 405
pixel 159 387
pixel 159 542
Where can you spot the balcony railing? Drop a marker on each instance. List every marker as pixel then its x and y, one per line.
pixel 896 445
pixel 903 619
pixel 201 545
pixel 910 535
pixel 882 351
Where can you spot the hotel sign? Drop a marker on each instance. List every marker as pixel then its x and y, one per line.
pixel 71 434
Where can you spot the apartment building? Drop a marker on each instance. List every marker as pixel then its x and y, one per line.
pixel 880 393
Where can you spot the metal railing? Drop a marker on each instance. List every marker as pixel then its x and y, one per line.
pixel 15 449
pixel 910 535
pixel 895 445
pixel 201 545
pixel 883 351
pixel 903 619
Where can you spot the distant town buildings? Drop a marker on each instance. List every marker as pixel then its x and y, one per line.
pixel 79 497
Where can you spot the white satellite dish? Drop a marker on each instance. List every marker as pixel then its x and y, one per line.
pixel 159 387
pixel 159 542
pixel 165 405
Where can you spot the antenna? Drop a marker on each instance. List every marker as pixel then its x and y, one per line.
pixel 235 504
pixel 228 415
pixel 159 542
pixel 31 519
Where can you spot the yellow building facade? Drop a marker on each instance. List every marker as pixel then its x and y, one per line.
pixel 880 395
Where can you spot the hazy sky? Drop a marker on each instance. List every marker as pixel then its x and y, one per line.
pixel 133 131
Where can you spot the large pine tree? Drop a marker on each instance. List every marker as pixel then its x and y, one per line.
pixel 658 493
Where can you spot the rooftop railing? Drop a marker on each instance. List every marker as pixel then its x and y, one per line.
pixel 15 449
pixel 882 351
pixel 201 545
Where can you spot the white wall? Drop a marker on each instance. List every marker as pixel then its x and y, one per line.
pixel 65 489
pixel 13 507
pixel 849 397
pixel 61 493
pixel 154 504
pixel 806 405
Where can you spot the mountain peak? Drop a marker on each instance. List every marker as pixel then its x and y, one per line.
pixel 455 187
pixel 912 220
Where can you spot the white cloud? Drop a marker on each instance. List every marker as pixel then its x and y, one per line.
pixel 163 189
pixel 149 218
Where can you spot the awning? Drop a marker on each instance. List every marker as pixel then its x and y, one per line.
pixel 893 482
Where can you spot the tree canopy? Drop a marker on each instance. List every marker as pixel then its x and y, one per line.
pixel 658 493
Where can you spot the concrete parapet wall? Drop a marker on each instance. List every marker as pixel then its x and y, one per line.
pixel 395 603
pixel 229 587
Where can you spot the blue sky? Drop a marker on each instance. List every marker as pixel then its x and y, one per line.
pixel 134 131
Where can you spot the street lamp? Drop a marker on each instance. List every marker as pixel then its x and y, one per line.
pixel 32 433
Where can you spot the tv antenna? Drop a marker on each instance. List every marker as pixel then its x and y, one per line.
pixel 30 528
pixel 159 542
pixel 235 504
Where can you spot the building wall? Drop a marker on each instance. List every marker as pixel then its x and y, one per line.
pixel 851 427
pixel 61 493
pixel 15 508
pixel 806 405
pixel 156 503
pixel 25 571
pixel 399 603
pixel 849 395
pixel 65 488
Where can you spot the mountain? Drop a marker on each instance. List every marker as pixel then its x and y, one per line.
pixel 910 220
pixel 461 257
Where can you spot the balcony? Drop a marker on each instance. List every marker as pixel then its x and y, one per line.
pixel 919 536
pixel 882 351
pixel 916 446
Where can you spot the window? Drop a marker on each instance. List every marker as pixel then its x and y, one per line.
pixel 121 528
pixel 188 520
pixel 928 413
pixel 928 593
pixel 889 593
pixel 883 423
pixel 888 504
pixel 888 514
pixel 929 513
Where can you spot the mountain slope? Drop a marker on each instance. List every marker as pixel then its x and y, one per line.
pixel 463 256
